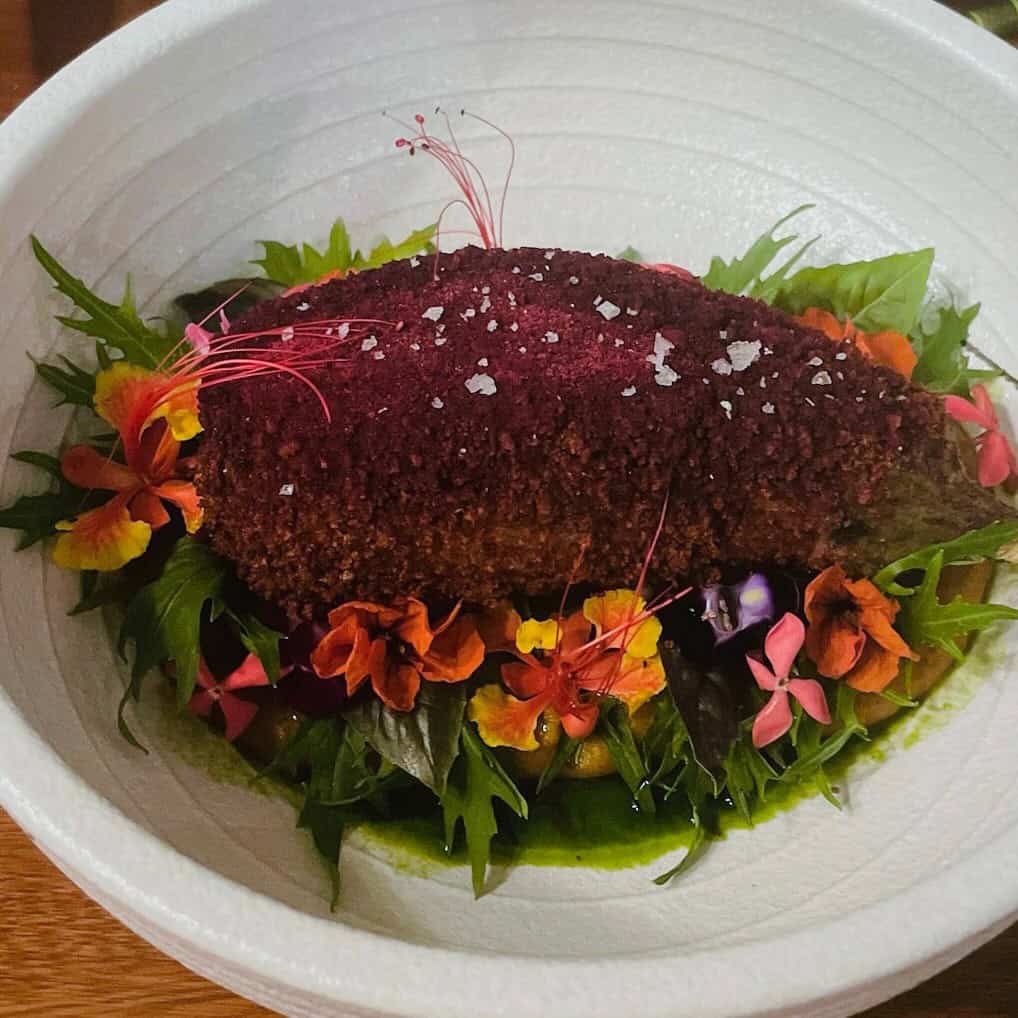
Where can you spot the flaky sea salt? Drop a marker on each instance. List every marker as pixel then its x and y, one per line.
pixel 607 310
pixel 550 337
pixel 492 325
pixel 434 313
pixel 629 390
pixel 437 403
pixel 768 408
pixel 369 343
pixel 821 378
pixel 666 375
pixel 481 385
pixel 537 277
pixel 287 334
pixel 286 489
pixel 727 407
pixel 742 353
pixel 816 362
pixel 303 306
pixel 721 367
pixel 379 355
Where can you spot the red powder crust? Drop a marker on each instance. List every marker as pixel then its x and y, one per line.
pixel 421 486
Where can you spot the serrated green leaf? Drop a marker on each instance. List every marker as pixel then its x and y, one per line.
pixel 75 385
pixel 292 266
pixel 414 243
pixel 42 460
pixel 470 801
pixel 614 728
pixel 738 275
pixel 943 365
pixel 163 619
pixel 36 516
pixel 975 546
pixel 117 326
pixel 881 294
pixel 927 622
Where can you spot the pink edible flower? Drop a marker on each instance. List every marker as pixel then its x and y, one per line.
pixel 783 643
pixel 199 338
pixel 237 712
pixel 997 460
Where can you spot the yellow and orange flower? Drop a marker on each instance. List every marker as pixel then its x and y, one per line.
pixel 566 665
pixel 152 416
pixel 396 647
pixel 888 349
pixel 851 633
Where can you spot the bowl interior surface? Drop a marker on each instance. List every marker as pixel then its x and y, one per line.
pixel 684 129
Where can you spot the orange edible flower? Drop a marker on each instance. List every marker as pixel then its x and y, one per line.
pixel 152 418
pixel 888 349
pixel 396 647
pixel 851 633
pixel 560 666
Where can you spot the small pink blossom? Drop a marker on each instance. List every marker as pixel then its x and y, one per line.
pixel 237 712
pixel 781 646
pixel 997 461
pixel 199 338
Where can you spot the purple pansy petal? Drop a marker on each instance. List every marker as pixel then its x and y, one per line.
pixel 783 642
pixel 731 609
pixel 773 721
pixel 810 694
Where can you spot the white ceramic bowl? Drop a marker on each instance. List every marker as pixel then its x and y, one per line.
pixel 684 128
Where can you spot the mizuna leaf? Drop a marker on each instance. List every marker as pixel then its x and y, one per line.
pixel 117 326
pixel 469 800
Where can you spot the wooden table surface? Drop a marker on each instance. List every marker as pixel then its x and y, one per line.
pixel 61 955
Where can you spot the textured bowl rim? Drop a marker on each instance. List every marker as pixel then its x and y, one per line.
pixel 205 918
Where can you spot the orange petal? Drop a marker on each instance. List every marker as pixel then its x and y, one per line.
pixel 413 627
pixel 375 616
pixel 877 613
pixel 131 398
pixel 502 720
pixel 156 453
pixel 184 496
pixel 498 629
pixel 823 321
pixel 834 645
pixel 876 669
pixel 396 684
pixel 103 539
pixel 823 590
pixel 575 633
pixel 83 466
pixel 631 681
pixel 889 349
pixel 455 654
pixel 333 653
pixel 526 680
pixel 149 507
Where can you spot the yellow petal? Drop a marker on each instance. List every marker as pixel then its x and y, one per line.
pixel 103 539
pixel 502 720
pixel 120 389
pixel 536 635
pixel 613 609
